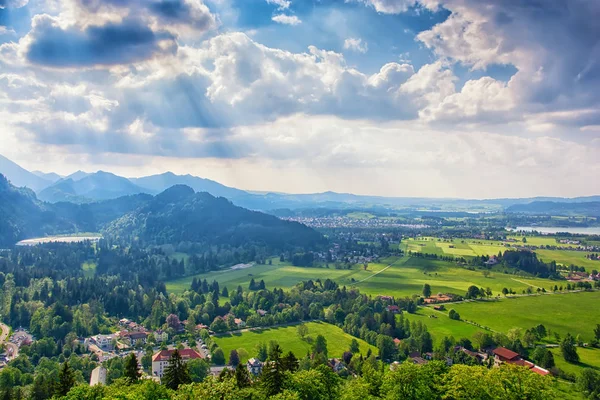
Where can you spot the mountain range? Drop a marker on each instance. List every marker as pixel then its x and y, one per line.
pixel 176 215
pixel 83 187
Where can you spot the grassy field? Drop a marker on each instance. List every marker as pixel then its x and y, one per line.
pixel 405 277
pixel 575 313
pixel 441 325
pixel 337 340
pixel 568 257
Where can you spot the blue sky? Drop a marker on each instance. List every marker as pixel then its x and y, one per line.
pixel 460 98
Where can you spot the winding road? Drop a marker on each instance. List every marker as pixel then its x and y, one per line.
pixel 11 348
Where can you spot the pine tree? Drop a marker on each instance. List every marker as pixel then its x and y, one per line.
pixel 66 380
pixel 273 374
pixel 242 377
pixel 568 349
pixel 176 372
pixel 290 362
pixel 234 358
pixel 132 372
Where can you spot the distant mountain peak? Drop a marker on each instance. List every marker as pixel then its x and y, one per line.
pixel 175 193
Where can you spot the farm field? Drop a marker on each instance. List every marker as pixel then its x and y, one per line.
pixel 575 313
pixel 280 275
pixel 405 277
pixel 442 325
pixel 568 257
pixel 337 340
pixel 589 357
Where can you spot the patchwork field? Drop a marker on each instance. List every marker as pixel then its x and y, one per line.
pixel 337 340
pixel 575 313
pixel 568 257
pixel 588 358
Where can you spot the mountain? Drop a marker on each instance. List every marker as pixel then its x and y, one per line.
pixel 21 177
pixel 159 183
pixel 180 215
pixel 590 208
pixel 78 175
pixel 49 176
pixel 98 186
pixel 23 216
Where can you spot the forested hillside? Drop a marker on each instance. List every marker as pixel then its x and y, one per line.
pixel 181 215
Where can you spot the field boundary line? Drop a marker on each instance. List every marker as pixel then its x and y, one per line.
pixel 378 272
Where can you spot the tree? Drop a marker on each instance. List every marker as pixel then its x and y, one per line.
pixel 261 351
pixel 273 374
pixel 176 372
pixel 199 369
pixel 452 314
pixel 597 332
pixel 473 292
pixel 66 380
pixel 242 377
pixel 589 383
pixel 173 322
pixel 426 290
pixel 302 330
pixel 225 292
pixel 320 345
pixel 568 349
pixel 354 346
pixel 234 358
pixel 290 362
pixel 132 372
pixel 218 357
pixel 386 347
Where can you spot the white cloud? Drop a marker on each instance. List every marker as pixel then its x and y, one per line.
pixel 287 19
pixel 281 4
pixel 389 6
pixel 356 44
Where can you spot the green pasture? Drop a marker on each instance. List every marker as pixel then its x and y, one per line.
pixel 575 313
pixel 337 340
pixel 439 325
pixel 280 275
pixel 589 357
pixel 407 277
pixel 568 257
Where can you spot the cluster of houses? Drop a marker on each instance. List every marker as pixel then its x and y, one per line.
pixel 583 277
pixel 131 334
pixel 501 355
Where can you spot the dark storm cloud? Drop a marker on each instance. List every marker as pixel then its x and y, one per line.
pixel 109 44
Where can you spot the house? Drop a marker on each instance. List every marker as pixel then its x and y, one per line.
pixel 105 342
pixel 492 261
pixel 161 336
pixel 503 355
pixel 254 366
pixel 393 309
pixel 262 313
pixel 160 360
pixel 136 338
pixel 239 322
pixel 98 376
pixel 419 360
pixel 336 365
pixel 397 342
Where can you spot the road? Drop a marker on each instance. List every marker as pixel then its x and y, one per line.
pixel 378 272
pixel 11 348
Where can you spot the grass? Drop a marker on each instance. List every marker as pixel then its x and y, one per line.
pixel 589 357
pixel 337 340
pixel 568 257
pixel 574 313
pixel 442 325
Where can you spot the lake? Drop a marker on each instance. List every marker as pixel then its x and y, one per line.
pixel 61 239
pixel 553 230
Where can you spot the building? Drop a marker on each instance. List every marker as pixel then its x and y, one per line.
pixel 98 376
pixel 254 366
pixel 393 309
pixel 503 355
pixel 136 338
pixel 161 336
pixel 160 360
pixel 105 342
pixel 239 322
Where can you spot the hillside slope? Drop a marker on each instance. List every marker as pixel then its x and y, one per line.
pixel 181 215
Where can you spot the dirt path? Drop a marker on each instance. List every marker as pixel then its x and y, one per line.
pixel 380 271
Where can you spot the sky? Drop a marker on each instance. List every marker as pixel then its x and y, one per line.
pixel 436 98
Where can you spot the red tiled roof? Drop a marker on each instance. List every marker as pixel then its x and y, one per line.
pixel 540 370
pixel 165 355
pixel 505 353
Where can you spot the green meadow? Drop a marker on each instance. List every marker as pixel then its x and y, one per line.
pixel 575 313
pixel 589 357
pixel 568 257
pixel 337 340
pixel 440 325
